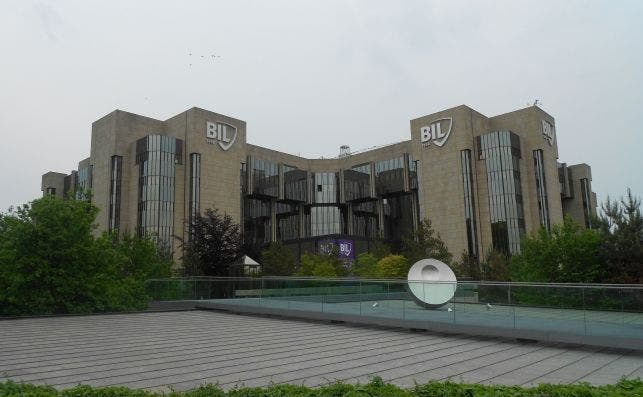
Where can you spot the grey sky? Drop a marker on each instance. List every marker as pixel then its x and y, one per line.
pixel 310 76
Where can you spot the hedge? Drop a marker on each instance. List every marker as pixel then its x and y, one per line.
pixel 376 388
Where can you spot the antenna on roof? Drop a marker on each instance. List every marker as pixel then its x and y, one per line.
pixel 344 151
pixel 537 102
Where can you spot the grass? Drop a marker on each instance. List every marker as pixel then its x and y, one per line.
pixel 376 388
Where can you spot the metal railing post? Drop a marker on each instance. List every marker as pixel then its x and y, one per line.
pixel 361 298
pixel 584 310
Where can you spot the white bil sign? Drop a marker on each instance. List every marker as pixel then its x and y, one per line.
pixel 220 133
pixel 548 132
pixel 437 132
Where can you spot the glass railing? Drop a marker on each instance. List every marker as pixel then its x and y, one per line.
pixel 576 309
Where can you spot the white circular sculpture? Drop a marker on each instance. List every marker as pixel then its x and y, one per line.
pixel 431 283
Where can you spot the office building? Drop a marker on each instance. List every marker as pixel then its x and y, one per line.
pixel 484 182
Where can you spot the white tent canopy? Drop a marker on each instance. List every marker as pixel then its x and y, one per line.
pixel 248 261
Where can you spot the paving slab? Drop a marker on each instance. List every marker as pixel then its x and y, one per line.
pixel 183 349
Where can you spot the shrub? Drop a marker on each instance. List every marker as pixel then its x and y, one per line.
pixel 321 265
pixel 392 266
pixel 365 266
pixel 277 260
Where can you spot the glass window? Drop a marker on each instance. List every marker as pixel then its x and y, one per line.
pixel 116 164
pixel 541 189
pixel 469 203
pixel 157 157
pixel 265 177
pixel 365 219
pixel 257 222
pixel 357 182
pixel 195 189
pixel 398 217
pixel 389 176
pixel 327 191
pixel 501 152
pixel 413 172
pixel 295 184
pixel 288 220
pixel 324 220
pixel 585 190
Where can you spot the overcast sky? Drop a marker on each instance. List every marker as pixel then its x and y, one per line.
pixel 309 76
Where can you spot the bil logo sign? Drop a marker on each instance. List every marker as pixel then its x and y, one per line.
pixel 345 248
pixel 437 132
pixel 548 132
pixel 220 133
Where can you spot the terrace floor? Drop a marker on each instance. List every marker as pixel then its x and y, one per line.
pixel 183 349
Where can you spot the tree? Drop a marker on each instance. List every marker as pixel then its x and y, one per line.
pixel 495 266
pixel 380 249
pixel 365 266
pixel 392 266
pixel 215 243
pixel 467 267
pixel 566 255
pixel 621 248
pixel 51 262
pixel 424 243
pixel 277 260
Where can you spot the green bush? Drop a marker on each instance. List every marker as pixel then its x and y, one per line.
pixel 392 266
pixel 321 265
pixel 277 260
pixel 376 388
pixel 365 266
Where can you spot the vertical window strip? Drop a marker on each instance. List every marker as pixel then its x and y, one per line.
pixel 115 192
pixel 469 203
pixel 585 189
pixel 157 158
pixel 195 190
pixel 501 152
pixel 541 189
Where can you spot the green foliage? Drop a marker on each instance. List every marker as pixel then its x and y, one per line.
pixel 392 266
pixel 380 249
pixel 277 260
pixel 567 254
pixel 365 266
pixel 321 265
pixel 495 266
pixel 467 267
pixel 51 262
pixel 324 270
pixel 376 388
pixel 621 248
pixel 425 243
pixel 214 244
